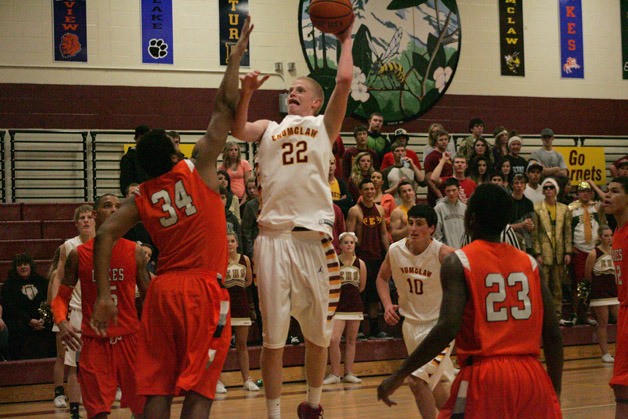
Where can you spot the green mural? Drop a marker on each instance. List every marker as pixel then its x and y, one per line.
pixel 405 55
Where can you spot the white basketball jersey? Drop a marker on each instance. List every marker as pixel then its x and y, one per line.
pixel 75 301
pixel 293 165
pixel 417 278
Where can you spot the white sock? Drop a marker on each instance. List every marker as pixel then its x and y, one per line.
pixel 314 396
pixel 274 408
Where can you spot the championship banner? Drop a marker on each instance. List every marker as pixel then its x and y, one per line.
pixel 231 16
pixel 584 163
pixel 512 55
pixel 70 30
pixel 624 37
pixel 157 39
pixel 571 45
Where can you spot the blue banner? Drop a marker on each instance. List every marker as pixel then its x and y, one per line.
pixel 232 15
pixel 157 39
pixel 70 30
pixel 571 46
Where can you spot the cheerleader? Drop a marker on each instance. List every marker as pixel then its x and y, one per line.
pixel 239 276
pixel 600 272
pixel 349 311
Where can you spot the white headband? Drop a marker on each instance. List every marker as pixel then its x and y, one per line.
pixel 350 234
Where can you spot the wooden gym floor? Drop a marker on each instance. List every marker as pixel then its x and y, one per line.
pixel 586 394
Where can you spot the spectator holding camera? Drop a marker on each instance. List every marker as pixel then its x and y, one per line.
pixel 404 169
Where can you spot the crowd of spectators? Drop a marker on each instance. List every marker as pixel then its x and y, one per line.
pixel 373 184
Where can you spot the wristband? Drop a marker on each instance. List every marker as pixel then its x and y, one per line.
pixel 61 303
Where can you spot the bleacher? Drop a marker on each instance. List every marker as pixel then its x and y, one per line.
pixel 40 228
pixel 35 228
pixel 29 225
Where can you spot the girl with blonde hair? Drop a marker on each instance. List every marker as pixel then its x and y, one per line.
pixel 238 168
pixel 362 168
pixel 348 312
pixel 600 272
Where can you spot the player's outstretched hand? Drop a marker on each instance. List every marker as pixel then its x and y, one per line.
pixel 70 337
pixel 104 310
pixel 388 387
pixel 252 81
pixel 240 46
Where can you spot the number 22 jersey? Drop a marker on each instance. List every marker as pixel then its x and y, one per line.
pixel 504 312
pixel 293 166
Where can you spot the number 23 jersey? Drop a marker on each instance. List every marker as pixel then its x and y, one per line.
pixel 504 312
pixel 417 278
pixel 293 166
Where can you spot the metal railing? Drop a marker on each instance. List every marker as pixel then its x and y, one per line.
pixel 107 148
pixel 78 166
pixel 45 160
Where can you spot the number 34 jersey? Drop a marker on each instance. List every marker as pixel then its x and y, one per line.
pixel 417 278
pixel 186 221
pixel 292 170
pixel 504 312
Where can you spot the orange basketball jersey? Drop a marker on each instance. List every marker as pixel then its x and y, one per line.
pixel 504 313
pixel 122 279
pixel 186 221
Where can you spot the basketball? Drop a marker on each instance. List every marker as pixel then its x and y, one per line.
pixel 331 16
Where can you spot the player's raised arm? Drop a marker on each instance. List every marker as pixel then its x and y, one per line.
pixel 210 145
pixel 337 106
pixel 242 129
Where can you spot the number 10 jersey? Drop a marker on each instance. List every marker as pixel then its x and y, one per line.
pixel 504 312
pixel 417 278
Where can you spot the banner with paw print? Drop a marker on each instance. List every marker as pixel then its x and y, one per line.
pixel 157 39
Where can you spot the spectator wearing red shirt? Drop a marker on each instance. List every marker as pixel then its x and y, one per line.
pixel 400 135
pixel 467 186
pixel 431 161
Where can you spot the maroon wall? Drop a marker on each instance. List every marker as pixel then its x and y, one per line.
pixel 123 107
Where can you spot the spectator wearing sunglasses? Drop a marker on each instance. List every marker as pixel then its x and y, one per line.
pixel 552 239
